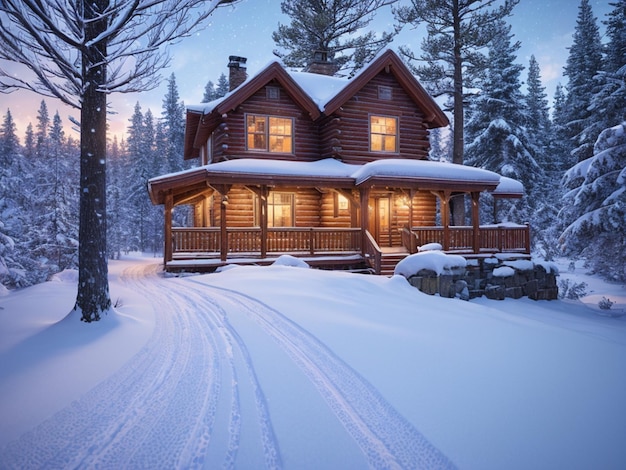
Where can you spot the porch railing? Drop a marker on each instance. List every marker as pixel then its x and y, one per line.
pixel 198 241
pixel 308 240
pixel 492 238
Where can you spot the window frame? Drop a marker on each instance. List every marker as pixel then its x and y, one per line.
pixel 268 135
pixel 270 202
pixel 396 135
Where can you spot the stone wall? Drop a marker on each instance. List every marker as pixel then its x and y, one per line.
pixel 496 277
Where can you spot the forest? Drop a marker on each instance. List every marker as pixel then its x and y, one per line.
pixel 571 156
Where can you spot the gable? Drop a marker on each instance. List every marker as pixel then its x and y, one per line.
pixel 316 96
pixel 199 129
pixel 389 63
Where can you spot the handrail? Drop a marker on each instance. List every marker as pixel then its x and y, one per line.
pixel 409 240
pixel 373 253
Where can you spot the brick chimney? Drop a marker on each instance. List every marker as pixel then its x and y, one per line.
pixel 322 64
pixel 237 71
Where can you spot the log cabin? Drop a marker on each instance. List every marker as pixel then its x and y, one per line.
pixel 331 169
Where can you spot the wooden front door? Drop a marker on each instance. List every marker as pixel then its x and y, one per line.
pixel 380 220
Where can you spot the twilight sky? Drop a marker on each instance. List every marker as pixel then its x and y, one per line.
pixel 544 28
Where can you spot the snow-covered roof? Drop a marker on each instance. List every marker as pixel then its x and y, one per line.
pixel 509 187
pixel 326 168
pixel 423 173
pixel 423 169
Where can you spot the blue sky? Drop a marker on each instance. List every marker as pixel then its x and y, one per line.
pixel 544 28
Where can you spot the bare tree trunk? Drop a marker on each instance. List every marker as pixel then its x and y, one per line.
pixel 458 203
pixel 93 285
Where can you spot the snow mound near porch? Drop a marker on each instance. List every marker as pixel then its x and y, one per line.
pixel 436 261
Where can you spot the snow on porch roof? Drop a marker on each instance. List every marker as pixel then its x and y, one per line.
pixel 426 174
pixel 419 171
pixel 509 188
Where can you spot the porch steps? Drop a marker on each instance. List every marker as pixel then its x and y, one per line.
pixel 388 262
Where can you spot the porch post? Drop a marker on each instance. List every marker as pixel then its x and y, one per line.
pixel 445 218
pixel 476 221
pixel 365 195
pixel 167 249
pixel 223 228
pixel 263 195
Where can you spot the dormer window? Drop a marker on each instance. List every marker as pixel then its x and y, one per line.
pixel 269 133
pixel 383 134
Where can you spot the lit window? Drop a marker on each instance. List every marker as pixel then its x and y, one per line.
pixel 383 134
pixel 270 134
pixel 280 210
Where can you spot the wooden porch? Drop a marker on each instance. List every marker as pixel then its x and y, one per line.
pixel 210 247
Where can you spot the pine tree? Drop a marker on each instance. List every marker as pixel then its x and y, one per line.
pixel 598 230
pixel 116 193
pixel 174 127
pixel 607 105
pixel 222 86
pixel 43 123
pixel 29 142
pixel 538 112
pixel 558 143
pixel 548 179
pixel 14 222
pixel 336 27
pixel 497 127
pixel 209 92
pixel 583 63
pixel 457 33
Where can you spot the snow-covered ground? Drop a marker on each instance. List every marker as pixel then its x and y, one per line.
pixel 298 368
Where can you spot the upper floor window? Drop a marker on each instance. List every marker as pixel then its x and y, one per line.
pixel 385 92
pixel 269 133
pixel 383 134
pixel 272 92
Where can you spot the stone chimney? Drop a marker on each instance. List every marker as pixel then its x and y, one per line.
pixel 237 71
pixel 322 64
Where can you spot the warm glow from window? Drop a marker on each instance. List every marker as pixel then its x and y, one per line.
pixel 277 137
pixel 342 202
pixel 383 134
pixel 280 209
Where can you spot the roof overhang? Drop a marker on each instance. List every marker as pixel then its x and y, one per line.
pixel 330 173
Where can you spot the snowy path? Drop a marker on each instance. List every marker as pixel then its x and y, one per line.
pixel 200 394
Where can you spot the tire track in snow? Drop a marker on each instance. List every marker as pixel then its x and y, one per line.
pixel 157 411
pixel 385 437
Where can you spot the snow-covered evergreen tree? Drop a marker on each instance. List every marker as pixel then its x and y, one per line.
pixel 559 145
pixel 222 86
pixel 43 124
pixel 583 63
pixel 117 222
pixel 213 91
pixel 607 104
pixel 173 118
pixel 496 130
pixel 337 27
pixel 14 220
pixel 598 230
pixel 209 92
pixel 457 33
pixel 29 142
pixel 440 145
pixel 539 130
